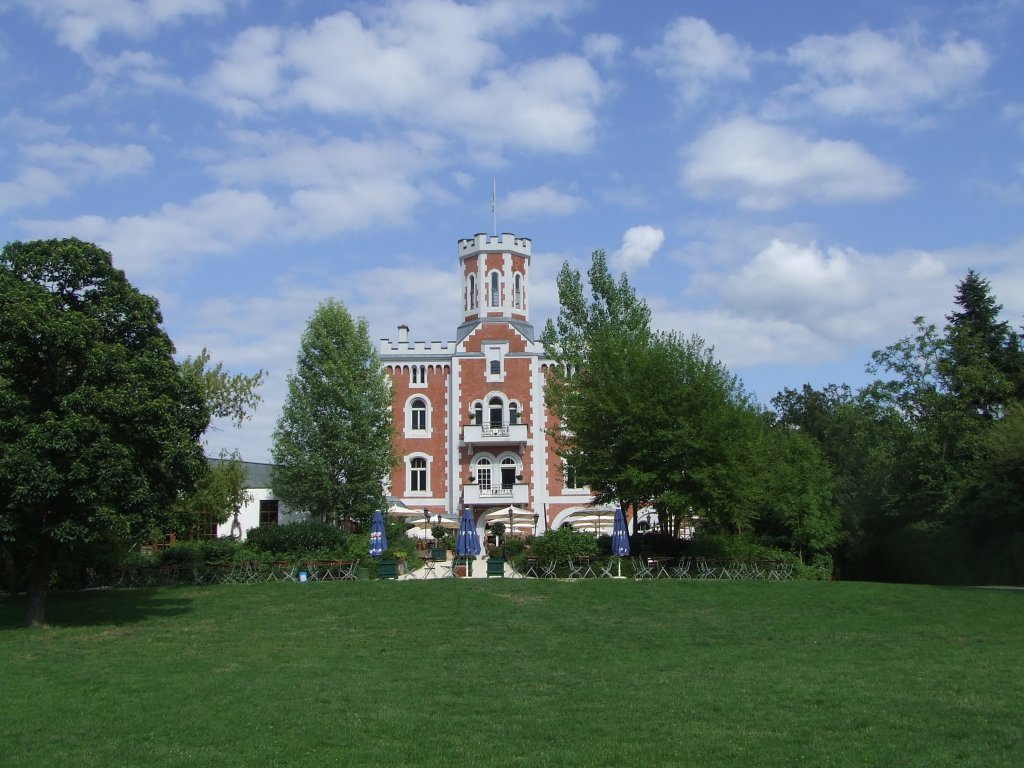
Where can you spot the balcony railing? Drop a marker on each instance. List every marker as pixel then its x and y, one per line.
pixel 494 432
pixel 519 493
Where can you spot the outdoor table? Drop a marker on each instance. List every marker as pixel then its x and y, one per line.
pixel 429 568
pixel 532 565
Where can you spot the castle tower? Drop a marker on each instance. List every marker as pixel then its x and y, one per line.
pixel 495 279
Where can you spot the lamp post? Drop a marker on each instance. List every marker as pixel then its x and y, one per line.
pixel 507 532
pixel 426 525
pixel 536 519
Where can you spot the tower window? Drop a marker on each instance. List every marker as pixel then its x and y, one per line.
pixel 418 474
pixel 518 296
pixel 418 411
pixel 494 289
pixel 472 291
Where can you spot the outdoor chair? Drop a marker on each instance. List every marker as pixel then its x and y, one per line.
pixel 285 571
pixel 608 569
pixel 347 571
pixel 682 569
pixel 705 570
pixel 580 568
pixel 549 570
pixel 642 568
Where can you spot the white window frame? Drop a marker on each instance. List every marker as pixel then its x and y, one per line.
pixel 409 474
pixel 418 433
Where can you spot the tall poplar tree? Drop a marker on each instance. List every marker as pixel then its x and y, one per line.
pixel 333 445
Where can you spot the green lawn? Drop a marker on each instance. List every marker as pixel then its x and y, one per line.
pixel 514 673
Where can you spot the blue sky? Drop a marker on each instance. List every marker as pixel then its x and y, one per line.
pixel 792 181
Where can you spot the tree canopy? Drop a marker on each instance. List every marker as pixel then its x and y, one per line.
pixel 652 418
pixel 99 428
pixel 333 445
pixel 927 456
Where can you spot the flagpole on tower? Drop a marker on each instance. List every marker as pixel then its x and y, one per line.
pixel 494 204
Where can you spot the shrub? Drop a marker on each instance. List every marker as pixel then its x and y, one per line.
pixel 564 544
pixel 296 538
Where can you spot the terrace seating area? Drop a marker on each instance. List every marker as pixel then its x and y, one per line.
pixel 638 568
pixel 249 572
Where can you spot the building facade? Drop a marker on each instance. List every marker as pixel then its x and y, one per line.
pixel 470 419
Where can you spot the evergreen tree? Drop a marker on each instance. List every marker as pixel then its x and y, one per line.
pixel 333 445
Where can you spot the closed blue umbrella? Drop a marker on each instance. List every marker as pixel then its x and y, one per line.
pixel 620 537
pixel 467 542
pixel 378 536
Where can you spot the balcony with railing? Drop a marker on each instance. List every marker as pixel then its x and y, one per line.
pixel 495 433
pixel 518 493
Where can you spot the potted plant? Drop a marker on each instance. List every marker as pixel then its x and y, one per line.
pixel 388 568
pixel 496 562
pixel 472 478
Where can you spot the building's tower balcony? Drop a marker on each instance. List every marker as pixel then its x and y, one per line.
pixel 493 433
pixel 517 493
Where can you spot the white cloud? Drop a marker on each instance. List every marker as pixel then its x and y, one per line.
pixel 83 160
pixel 884 76
pixel 539 201
pixel 696 57
pixel 32 186
pixel 602 47
pixel 168 239
pixel 81 23
pixel 639 244
pixel 816 303
pixel 389 65
pixel 53 168
pixel 767 167
pixel 1013 113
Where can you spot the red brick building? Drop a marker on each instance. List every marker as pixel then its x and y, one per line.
pixel 469 414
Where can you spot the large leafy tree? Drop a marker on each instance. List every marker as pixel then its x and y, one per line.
pixel 333 445
pixel 645 417
pixel 99 428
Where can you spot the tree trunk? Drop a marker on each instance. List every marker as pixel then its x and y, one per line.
pixel 39 582
pixel 10 573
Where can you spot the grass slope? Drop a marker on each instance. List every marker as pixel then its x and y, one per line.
pixel 513 673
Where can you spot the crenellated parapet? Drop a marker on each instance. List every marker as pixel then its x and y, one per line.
pixel 389 348
pixel 484 243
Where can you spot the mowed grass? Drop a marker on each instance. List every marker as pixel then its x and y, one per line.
pixel 514 673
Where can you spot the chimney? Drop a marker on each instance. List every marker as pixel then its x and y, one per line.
pixel 403 334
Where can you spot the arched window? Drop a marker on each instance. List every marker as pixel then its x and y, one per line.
pixel 494 289
pixel 513 413
pixel 483 472
pixel 518 300
pixel 496 410
pixel 508 472
pixel 418 412
pixel 472 291
pixel 418 474
pixel 478 414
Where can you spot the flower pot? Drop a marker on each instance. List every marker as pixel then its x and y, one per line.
pixel 496 567
pixel 440 554
pixel 388 569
